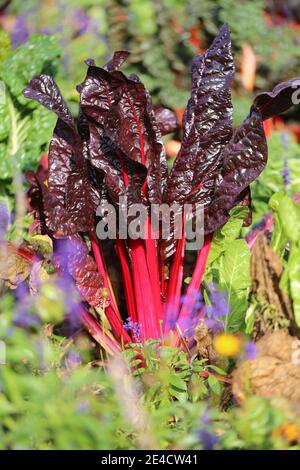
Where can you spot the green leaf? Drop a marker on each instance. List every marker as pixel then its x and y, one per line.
pixel 217 369
pixel 29 59
pixel 289 214
pixel 279 239
pixel 5 45
pixel 235 280
pixel 230 231
pixel 29 133
pixel 293 269
pixel 214 384
pixel 4 118
pixel 178 383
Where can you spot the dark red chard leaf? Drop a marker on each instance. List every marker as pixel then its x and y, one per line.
pixel 104 157
pixel 67 211
pixel 283 96
pixel 245 200
pixel 103 95
pixel 114 63
pixel 80 206
pixel 243 159
pixel 61 160
pixel 207 127
pixel 158 170
pixel 44 90
pixel 117 60
pixel 69 200
pixel 98 92
pixel 131 125
pixel 166 120
pixel 97 95
pixel 35 198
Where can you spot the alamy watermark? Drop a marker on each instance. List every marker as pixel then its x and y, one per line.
pixel 296 94
pixel 166 221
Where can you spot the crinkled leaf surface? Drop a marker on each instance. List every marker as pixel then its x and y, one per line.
pixel 207 125
pixel 243 159
pixel 68 200
pixel 116 61
pixel 131 125
pixel 44 90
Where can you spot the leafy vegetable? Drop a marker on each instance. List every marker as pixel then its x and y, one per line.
pixel 287 229
pixel 116 150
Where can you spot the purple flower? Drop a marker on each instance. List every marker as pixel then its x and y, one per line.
pixel 71 299
pixel 20 32
pixel 135 329
pixel 207 438
pixel 4 219
pixel 46 31
pixel 73 359
pixel 219 305
pixel 218 310
pixel 250 350
pixel 82 408
pixel 193 301
pixel 285 172
pixel 23 310
pixel 82 20
pixel 192 305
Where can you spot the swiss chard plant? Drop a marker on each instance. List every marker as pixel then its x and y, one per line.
pixel 115 150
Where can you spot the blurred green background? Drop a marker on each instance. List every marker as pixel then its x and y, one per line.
pixel 163 36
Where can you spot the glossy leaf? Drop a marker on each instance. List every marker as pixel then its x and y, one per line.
pixel 207 126
pixel 44 90
pixel 117 60
pixel 166 120
pixel 243 159
pixel 280 99
pixel 67 200
pixel 131 125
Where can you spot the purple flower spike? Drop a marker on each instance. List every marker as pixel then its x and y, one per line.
pixel 71 300
pixel 82 408
pixel 82 20
pixel 4 219
pixel 250 350
pixel 20 32
pixel 217 311
pixel 72 360
pixel 135 329
pixel 207 438
pixel 23 316
pixel 285 173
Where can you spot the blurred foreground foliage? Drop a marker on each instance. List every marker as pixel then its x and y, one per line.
pixel 54 395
